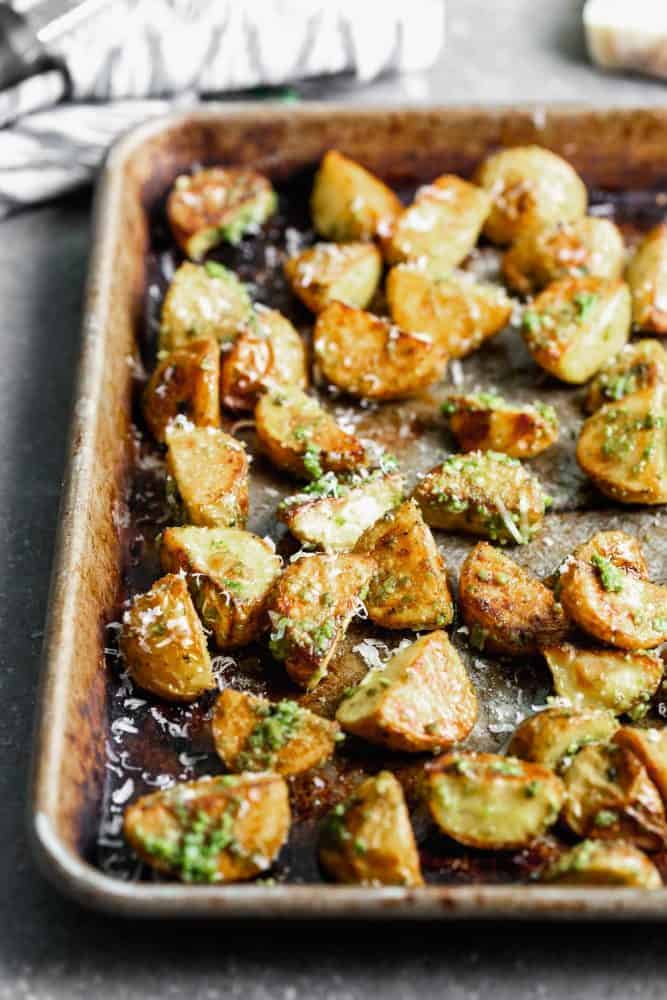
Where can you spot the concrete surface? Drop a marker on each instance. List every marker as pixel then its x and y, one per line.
pixel 523 50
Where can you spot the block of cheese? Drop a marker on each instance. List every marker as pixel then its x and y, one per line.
pixel 622 35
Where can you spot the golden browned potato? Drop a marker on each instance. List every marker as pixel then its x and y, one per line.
pixel 564 250
pixel 604 590
pixel 350 203
pixel 647 277
pixel 483 493
pixel 577 324
pixel 441 226
pixel 596 862
pixel 491 802
pixel 530 187
pixel 310 608
pixel 553 736
pixel 506 609
pixel 409 588
pixel 485 421
pixel 223 829
pixel 650 746
pixel 185 383
pixel 163 643
pixel 332 514
pixel 203 301
pixel 218 205
pixel 253 734
pixel 618 680
pixel 301 437
pixel 369 357
pixel 210 470
pixel 641 365
pixel 335 272
pixel 230 574
pixel 368 839
pixel 421 700
pixel 458 312
pixel 609 795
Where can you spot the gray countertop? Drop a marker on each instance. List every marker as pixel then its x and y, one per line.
pixel 498 51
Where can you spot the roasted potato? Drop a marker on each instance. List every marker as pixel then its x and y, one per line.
pixel 218 205
pixel 301 437
pixel 368 357
pixel 650 746
pixel 350 203
pixel 604 590
pixel 203 301
pixel 641 365
pixel 440 227
pixel 555 735
pixel 334 272
pixel 618 680
pixel 230 574
pixel 647 277
pixel 310 608
pixel 210 470
pixel 185 383
pixel 223 829
pixel 609 795
pixel 483 493
pixel 611 863
pixel 368 839
pixel 506 609
pixel 409 587
pixel 253 734
pixel 458 312
pixel 530 187
pixel 491 802
pixel 577 324
pixel 163 643
pixel 486 422
pixel 421 700
pixel 585 246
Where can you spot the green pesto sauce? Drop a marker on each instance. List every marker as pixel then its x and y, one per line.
pixel 611 577
pixel 279 723
pixel 195 854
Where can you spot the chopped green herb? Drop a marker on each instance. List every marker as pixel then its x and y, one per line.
pixel 584 302
pixel 611 576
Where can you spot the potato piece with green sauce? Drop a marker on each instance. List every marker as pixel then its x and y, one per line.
pixel 553 736
pixel 491 802
pixel 640 365
pixel 184 384
pixel 618 680
pixel 368 838
pixel 647 277
pixel 223 829
pixel 650 746
pixel 335 272
pixel 268 354
pixel 210 471
pixel 230 574
pixel 349 202
pixel 253 734
pixel 203 301
pixel 487 422
pixel 163 643
pixel 608 863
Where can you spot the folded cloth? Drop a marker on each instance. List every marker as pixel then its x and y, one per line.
pixel 145 57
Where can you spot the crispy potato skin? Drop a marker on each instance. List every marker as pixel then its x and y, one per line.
pixel 368 839
pixel 618 680
pixel 210 469
pixel 252 810
pixel 368 357
pixel 552 736
pixel 185 383
pixel 491 802
pixel 611 863
pixel 487 423
pixel 164 644
pixel 203 302
pixel 640 365
pixel 268 354
pixel 409 588
pixel 647 277
pixel 511 611
pixel 328 272
pixel 650 746
pixel 350 203
pixel 530 187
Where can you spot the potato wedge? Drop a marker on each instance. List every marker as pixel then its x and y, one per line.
pixel 185 383
pixel 586 246
pixel 552 737
pixel 530 187
pixel 458 312
pixel 350 203
pixel 253 734
pixel 650 746
pixel 163 643
pixel 487 422
pixel 368 838
pixel 230 574
pixel 647 277
pixel 210 470
pixel 604 590
pixel 298 435
pixel 618 680
pixel 491 802
pixel 506 609
pixel 610 863
pixel 640 365
pixel 203 301
pixel 218 205
pixel 483 493
pixel 368 357
pixel 335 272
pixel 609 795
pixel 575 325
pixel 310 609
pixel 223 829
pixel 440 227
pixel 409 588
pixel 422 700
